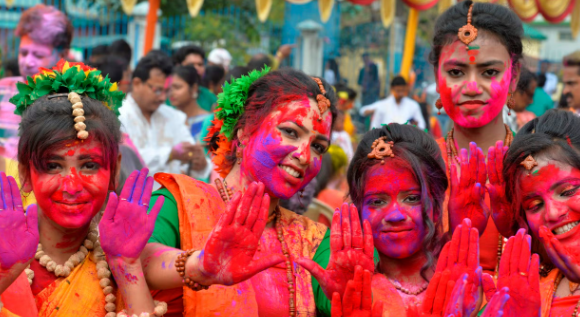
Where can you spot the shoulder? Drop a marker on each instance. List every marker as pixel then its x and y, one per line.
pixel 172 113
pixel 411 101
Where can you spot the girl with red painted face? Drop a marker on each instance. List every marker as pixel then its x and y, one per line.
pixel 71 165
pixel 476 75
pixel 542 173
pixel 268 139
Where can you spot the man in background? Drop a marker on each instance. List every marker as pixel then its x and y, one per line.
pixel 571 79
pixel 368 79
pixel 396 108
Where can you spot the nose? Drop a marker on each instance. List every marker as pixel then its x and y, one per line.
pixel 471 88
pixel 71 183
pixel 555 211
pixel 303 154
pixel 395 215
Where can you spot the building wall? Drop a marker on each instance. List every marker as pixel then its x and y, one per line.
pixel 559 42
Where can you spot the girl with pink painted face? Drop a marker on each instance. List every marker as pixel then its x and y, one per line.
pixel 476 75
pixel 542 173
pixel 54 261
pixel 270 133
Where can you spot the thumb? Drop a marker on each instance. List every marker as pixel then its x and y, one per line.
pixel 336 306
pixel 488 286
pixel 257 266
pixel 111 208
pixel 314 268
pixel 32 219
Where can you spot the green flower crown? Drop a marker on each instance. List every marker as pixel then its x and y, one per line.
pixel 68 77
pixel 232 100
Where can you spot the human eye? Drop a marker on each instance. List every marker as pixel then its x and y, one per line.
pixel 375 202
pixel 455 72
pixel 533 205
pixel 53 167
pixel 570 191
pixel 413 199
pixel 319 148
pixel 289 132
pixel 91 166
pixel 489 73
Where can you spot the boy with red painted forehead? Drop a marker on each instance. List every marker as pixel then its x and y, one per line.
pixel 54 261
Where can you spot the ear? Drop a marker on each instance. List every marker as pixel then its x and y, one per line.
pixel 515 77
pixel 25 183
pixel 117 173
pixel 242 137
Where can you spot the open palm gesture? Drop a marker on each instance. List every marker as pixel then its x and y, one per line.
pixel 228 256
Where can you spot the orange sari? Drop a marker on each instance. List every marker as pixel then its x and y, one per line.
pixel 555 307
pixel 200 207
pixel 79 294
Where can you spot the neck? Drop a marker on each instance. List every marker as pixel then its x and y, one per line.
pixel 191 108
pixel 238 181
pixel 484 137
pixel 57 242
pixel 406 271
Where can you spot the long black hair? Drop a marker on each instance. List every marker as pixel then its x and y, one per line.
pixel 422 154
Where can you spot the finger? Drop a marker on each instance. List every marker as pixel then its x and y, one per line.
pixel 504 264
pixel 516 251
pixel 336 241
pixel 7 193
pixel 473 162
pixel 152 216
pixel 524 263
pixel 453 178
pixel 347 301
pixel 3 191
pixel 111 209
pixel 448 291
pixel 463 245
pixel 139 185
pixel 465 171
pixel 256 208
pixel 367 296
pixel 127 190
pixel 378 309
pixel 454 247
pixel 473 252
pixel 488 286
pixel 534 273
pixel 346 228
pixel 336 306
pixel 441 293
pixel 455 300
pixel 431 292
pixel 357 235
pixel 491 170
pixel 314 268
pixel 16 198
pixel 244 207
pixel 368 239
pixel 500 151
pixel 231 207
pixel 257 266
pixel 262 220
pixel 443 258
pixel 358 280
pixel 481 171
pixel 147 191
pixel 32 218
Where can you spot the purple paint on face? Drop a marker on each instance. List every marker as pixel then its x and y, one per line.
pixel 33 55
pixel 284 153
pixel 392 205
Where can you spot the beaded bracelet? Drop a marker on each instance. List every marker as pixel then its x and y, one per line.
pixel 180 267
pixel 160 310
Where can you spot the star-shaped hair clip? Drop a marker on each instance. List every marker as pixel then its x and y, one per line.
pixel 529 163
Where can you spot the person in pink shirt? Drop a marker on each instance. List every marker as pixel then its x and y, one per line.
pixel 45 37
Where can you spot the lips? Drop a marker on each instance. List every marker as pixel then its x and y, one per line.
pixel 472 104
pixel 565 230
pixel 292 171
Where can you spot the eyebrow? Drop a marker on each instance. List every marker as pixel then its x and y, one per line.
pixel 554 186
pixel 455 62
pixel 89 157
pixel 376 192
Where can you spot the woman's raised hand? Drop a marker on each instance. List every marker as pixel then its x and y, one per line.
pixel 357 300
pixel 18 230
pixel 520 274
pixel 495 307
pixel 459 256
pixel 500 207
pixel 467 196
pixel 566 260
pixel 228 255
pixel 126 227
pixel 349 246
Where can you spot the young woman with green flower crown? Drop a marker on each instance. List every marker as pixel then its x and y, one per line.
pixel 267 142
pixel 53 260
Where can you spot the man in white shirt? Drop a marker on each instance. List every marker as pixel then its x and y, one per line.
pixel 396 108
pixel 157 130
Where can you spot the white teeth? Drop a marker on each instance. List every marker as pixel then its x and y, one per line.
pixel 565 228
pixel 291 171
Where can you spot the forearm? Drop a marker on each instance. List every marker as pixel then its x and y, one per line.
pixel 132 285
pixel 159 266
pixel 7 277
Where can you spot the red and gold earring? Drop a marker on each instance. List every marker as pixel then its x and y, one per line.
pixel 510 103
pixel 438 105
